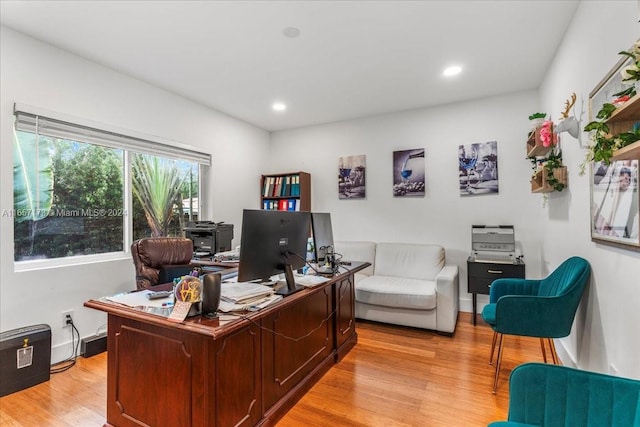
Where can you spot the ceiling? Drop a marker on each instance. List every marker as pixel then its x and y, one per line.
pixel 351 59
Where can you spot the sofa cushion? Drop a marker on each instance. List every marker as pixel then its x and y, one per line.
pixel 413 261
pixel 397 292
pixel 357 251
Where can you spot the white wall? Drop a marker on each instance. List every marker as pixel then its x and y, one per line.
pixel 605 330
pixel 442 216
pixel 37 74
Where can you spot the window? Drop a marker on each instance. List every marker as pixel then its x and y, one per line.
pixel 74 186
pixel 165 195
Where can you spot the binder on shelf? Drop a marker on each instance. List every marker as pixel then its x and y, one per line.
pixel 296 185
pixel 285 191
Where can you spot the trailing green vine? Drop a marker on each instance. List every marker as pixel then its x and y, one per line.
pixel 604 144
pixel 553 162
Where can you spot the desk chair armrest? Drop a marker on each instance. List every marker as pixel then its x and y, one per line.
pixel 534 316
pixel 512 286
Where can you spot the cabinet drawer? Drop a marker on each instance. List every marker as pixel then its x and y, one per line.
pixel 479 285
pixel 495 271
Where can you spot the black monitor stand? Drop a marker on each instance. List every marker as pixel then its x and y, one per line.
pixel 290 281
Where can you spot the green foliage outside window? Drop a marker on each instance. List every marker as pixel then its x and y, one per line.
pixel 71 200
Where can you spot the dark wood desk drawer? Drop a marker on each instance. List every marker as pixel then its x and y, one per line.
pixel 495 271
pixel 480 285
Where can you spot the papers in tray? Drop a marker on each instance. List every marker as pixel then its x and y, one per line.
pixel 227 306
pixel 244 292
pixel 310 281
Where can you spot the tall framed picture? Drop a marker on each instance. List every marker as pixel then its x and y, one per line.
pixel 478 168
pixel 408 173
pixel 351 177
pixel 615 205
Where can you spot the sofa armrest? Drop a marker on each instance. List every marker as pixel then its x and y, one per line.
pixel 447 300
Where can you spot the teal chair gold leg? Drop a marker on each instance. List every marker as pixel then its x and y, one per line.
pixel 498 362
pixel 554 355
pixel 493 347
pixel 544 353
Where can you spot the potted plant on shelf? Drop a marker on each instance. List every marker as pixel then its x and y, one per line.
pixel 631 72
pixel 537 119
pixel 604 143
pixel 553 169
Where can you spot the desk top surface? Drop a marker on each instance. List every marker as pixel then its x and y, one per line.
pixel 222 325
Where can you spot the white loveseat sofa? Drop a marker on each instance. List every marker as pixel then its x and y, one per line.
pixel 406 284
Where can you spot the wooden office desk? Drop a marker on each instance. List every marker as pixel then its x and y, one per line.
pixel 210 373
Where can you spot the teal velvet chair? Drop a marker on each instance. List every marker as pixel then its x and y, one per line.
pixel 557 396
pixel 542 308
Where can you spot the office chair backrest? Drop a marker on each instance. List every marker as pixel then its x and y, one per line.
pixel 153 254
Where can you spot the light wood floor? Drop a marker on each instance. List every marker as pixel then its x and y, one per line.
pixel 395 376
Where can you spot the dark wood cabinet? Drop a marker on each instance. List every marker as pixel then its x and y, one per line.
pixel 480 275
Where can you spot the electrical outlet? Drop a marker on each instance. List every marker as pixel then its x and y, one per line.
pixel 65 320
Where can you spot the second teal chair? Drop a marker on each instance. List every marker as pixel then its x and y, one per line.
pixel 542 308
pixel 542 395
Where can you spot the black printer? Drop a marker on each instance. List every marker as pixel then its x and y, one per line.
pixel 209 237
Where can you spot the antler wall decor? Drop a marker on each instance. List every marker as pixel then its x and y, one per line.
pixel 569 124
pixel 568 106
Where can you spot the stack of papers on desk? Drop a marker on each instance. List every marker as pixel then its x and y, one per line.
pixel 244 292
pixel 310 281
pixel 226 306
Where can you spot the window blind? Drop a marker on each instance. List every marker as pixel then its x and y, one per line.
pixel 30 120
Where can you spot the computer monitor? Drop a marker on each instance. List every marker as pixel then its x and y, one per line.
pixel 322 235
pixel 273 242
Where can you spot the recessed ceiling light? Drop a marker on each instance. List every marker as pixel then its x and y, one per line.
pixel 279 106
pixel 452 71
pixel 291 32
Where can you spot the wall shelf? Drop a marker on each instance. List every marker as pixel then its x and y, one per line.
pixel 534 144
pixel 630 152
pixel 539 183
pixel 622 120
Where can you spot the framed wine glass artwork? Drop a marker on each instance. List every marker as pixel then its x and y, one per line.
pixel 351 177
pixel 478 168
pixel 408 173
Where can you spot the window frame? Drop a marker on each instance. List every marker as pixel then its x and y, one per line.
pixel 62 126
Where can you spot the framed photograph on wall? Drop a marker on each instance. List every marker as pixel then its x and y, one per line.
pixel 408 173
pixel 615 205
pixel 351 177
pixel 478 168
